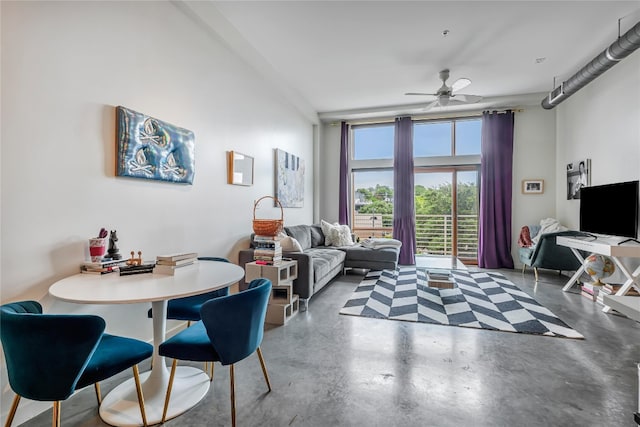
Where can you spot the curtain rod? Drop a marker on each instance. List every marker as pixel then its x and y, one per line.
pixel 384 120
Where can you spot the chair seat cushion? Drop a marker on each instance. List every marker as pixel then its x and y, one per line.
pixel 191 344
pixel 113 355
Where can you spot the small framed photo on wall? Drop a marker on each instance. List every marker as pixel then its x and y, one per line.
pixel 532 186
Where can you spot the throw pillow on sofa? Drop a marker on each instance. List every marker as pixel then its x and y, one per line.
pixel 336 234
pixel 289 244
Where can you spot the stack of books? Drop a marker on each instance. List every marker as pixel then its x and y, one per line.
pixel 169 264
pixel 590 291
pixel 442 279
pixel 102 267
pixel 611 289
pixel 267 250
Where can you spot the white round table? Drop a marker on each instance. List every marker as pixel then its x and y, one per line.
pixel 120 406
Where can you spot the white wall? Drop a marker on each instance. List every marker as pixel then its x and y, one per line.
pixel 533 158
pixel 600 122
pixel 65 66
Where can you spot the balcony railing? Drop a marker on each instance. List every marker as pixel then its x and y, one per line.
pixel 434 233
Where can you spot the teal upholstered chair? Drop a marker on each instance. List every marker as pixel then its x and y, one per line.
pixel 188 308
pixel 49 356
pixel 547 254
pixel 231 329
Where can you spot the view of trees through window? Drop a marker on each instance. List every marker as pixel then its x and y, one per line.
pixel 446 195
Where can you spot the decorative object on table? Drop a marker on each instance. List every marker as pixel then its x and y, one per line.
pixel 239 168
pixel 481 299
pixel 289 179
pixel 532 186
pixel 267 227
pixel 578 176
pixel 172 263
pixel 75 345
pixel 152 149
pixel 268 250
pixel 599 267
pixel 114 251
pixel 136 265
pixel 98 246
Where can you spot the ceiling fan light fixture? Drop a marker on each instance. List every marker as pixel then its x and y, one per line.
pixel 443 100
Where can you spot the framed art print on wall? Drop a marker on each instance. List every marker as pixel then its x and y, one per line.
pixel 289 179
pixel 532 186
pixel 152 149
pixel 578 176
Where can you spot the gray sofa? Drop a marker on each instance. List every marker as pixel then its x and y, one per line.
pixel 319 264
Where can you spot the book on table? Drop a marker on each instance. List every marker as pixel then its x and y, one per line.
pixel 171 269
pixel 177 256
pixel 177 263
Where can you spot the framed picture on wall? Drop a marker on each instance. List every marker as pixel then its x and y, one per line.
pixel 532 186
pixel 578 176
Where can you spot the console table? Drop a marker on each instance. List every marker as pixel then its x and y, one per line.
pixel 609 246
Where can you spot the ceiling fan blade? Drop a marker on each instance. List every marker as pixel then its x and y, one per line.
pixel 419 93
pixel 430 105
pixel 459 84
pixel 467 99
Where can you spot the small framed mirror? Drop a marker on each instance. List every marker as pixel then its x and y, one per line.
pixel 239 168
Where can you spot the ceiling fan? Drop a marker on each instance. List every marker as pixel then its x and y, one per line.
pixel 445 94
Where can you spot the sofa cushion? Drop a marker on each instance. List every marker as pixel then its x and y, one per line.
pixel 317 237
pixel 302 233
pixel 336 234
pixel 324 260
pixel 359 253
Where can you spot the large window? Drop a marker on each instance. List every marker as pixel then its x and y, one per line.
pixel 446 157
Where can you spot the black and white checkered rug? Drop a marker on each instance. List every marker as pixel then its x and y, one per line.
pixel 483 300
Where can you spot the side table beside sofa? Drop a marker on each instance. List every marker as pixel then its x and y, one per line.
pixel 319 264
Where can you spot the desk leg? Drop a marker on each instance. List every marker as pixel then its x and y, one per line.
pixel 632 279
pixel 120 406
pixel 577 274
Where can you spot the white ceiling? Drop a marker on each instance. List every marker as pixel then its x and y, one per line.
pixel 359 56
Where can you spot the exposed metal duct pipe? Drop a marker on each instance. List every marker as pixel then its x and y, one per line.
pixel 618 50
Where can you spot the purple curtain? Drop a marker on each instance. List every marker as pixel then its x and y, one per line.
pixel 343 192
pixel 496 164
pixel 404 220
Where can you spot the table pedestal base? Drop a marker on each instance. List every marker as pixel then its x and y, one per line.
pixel 120 406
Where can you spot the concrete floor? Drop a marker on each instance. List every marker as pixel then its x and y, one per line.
pixel 333 370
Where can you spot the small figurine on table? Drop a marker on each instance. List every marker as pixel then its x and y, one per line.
pixel 114 252
pixel 135 261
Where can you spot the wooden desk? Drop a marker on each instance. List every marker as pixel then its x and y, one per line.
pixel 604 246
pixel 120 406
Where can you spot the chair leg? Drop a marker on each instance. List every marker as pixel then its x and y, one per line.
pixel 264 368
pixel 211 374
pixel 98 393
pixel 56 414
pixel 166 399
pixel 136 376
pixel 524 268
pixel 535 271
pixel 12 411
pixel 232 380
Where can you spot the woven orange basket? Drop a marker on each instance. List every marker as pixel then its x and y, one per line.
pixel 267 227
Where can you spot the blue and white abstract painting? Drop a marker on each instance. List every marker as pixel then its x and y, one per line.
pixel 289 179
pixel 152 149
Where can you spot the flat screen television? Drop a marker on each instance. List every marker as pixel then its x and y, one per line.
pixel 610 209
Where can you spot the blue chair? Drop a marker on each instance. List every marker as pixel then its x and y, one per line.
pixel 231 329
pixel 50 356
pixel 188 308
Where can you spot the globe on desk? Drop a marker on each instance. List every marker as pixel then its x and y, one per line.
pixel 599 267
